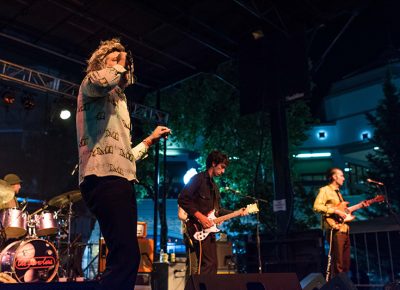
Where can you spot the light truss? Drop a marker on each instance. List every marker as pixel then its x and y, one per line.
pixel 149 114
pixel 37 80
pixel 50 84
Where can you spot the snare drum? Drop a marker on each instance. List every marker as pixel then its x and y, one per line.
pixel 46 224
pixel 14 222
pixel 32 260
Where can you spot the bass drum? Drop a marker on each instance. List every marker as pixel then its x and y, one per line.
pixel 32 260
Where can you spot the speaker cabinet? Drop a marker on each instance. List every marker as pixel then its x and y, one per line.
pixel 341 282
pixel 226 264
pixel 313 281
pixel 146 251
pixel 266 281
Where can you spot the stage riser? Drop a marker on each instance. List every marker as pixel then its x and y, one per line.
pixel 50 286
pixel 267 281
pixel 341 281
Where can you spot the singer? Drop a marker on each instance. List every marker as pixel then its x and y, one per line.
pixel 107 163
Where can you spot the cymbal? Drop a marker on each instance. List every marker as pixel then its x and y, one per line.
pixel 65 198
pixel 6 192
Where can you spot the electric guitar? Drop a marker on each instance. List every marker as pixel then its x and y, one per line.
pixel 332 221
pixel 196 231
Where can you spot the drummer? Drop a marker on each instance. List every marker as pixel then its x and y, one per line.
pixel 15 182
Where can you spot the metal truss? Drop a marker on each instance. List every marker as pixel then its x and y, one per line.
pixel 37 80
pixel 149 114
pixel 50 84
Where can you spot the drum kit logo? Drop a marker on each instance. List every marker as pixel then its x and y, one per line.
pixel 35 263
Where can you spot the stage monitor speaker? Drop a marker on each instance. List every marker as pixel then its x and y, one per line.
pixel 168 276
pixel 146 255
pixel 266 281
pixel 312 281
pixel 340 281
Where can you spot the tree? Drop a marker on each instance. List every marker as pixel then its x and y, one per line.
pixel 385 120
pixel 205 115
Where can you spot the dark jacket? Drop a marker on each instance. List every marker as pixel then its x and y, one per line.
pixel 201 194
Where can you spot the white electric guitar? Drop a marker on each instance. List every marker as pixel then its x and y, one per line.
pixel 196 231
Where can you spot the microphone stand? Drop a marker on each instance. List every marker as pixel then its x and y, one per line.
pixel 258 243
pixel 388 205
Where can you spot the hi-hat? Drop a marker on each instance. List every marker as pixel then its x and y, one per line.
pixel 65 198
pixel 6 192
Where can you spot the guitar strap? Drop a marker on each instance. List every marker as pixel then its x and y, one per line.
pixel 215 197
pixel 339 195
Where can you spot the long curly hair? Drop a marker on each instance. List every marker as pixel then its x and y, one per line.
pixel 96 60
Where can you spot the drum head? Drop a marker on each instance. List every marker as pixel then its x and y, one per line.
pixel 30 260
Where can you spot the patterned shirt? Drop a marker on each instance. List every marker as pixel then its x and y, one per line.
pixel 104 127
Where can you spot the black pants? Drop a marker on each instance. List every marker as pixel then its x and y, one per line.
pixel 207 252
pixel 340 252
pixel 111 199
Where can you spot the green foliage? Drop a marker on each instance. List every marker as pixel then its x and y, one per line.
pixel 385 120
pixel 205 115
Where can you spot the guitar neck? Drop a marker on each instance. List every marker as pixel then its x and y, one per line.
pixel 355 207
pixel 227 216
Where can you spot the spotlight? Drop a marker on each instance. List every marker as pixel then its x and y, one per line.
pixel 28 102
pixel 65 114
pixel 8 97
pixel 188 175
pixel 257 34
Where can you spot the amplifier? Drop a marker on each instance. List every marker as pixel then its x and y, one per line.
pixel 146 250
pixel 169 276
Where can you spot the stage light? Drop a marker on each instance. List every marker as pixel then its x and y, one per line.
pixel 65 114
pixel 257 34
pixel 28 102
pixel 8 97
pixel 188 175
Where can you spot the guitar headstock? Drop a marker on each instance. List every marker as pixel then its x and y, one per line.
pixel 252 208
pixel 378 198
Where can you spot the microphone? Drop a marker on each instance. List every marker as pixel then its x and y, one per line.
pixel 374 181
pixel 232 190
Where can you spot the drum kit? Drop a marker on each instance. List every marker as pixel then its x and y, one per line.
pixel 28 251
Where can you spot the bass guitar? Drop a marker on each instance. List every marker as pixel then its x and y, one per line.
pixel 196 231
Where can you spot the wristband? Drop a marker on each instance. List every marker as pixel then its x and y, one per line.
pixel 148 142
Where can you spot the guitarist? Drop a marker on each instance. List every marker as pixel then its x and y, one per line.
pixel 337 232
pixel 198 198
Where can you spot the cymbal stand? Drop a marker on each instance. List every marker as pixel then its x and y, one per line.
pixel 31 227
pixel 69 240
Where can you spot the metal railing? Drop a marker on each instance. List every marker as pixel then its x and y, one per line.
pixel 375 253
